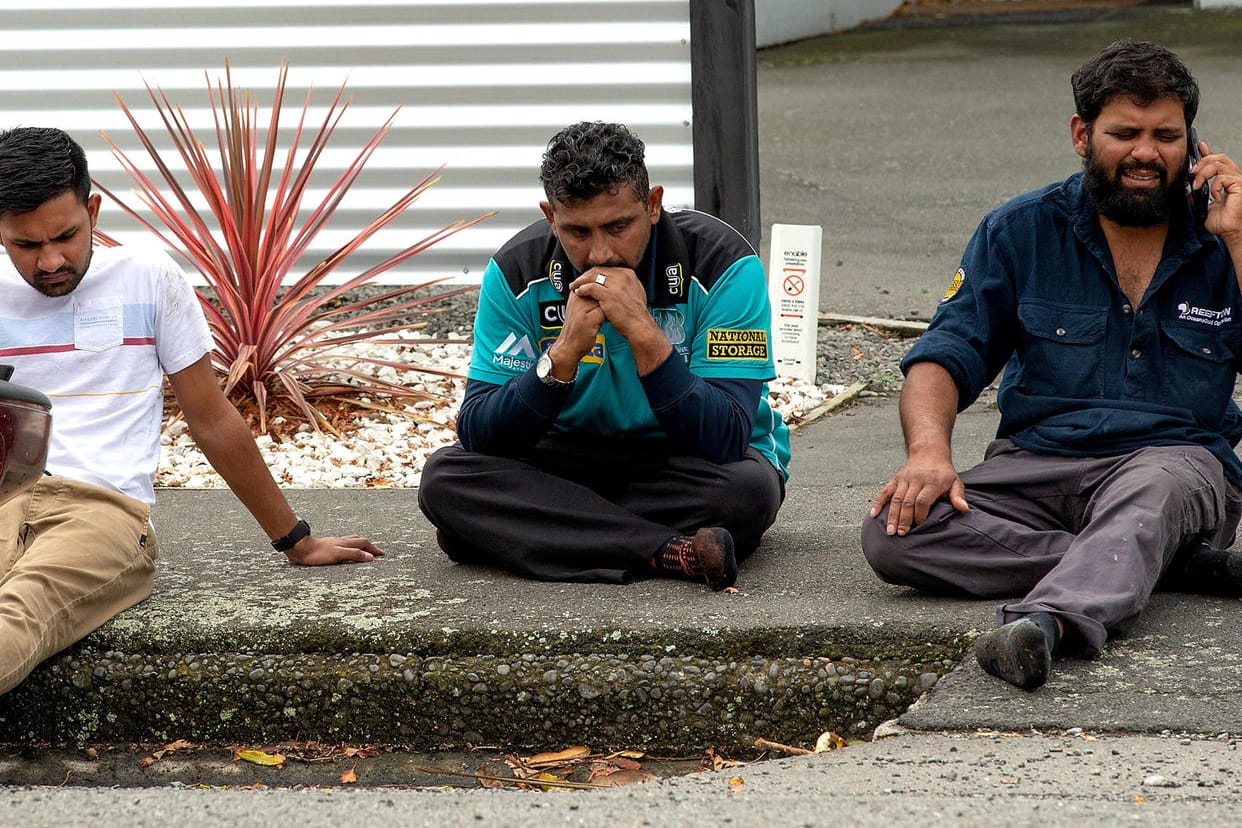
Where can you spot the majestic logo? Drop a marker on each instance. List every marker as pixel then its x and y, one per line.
pixel 552 314
pixel 672 278
pixel 1189 313
pixel 556 273
pixel 725 344
pixel 955 285
pixel 514 352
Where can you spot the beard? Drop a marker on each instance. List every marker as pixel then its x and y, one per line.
pixel 1128 206
pixel 43 282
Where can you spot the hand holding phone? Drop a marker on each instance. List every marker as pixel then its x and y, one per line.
pixel 1198 195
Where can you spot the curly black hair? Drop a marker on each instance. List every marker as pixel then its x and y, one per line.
pixel 1139 70
pixel 38 164
pixel 591 157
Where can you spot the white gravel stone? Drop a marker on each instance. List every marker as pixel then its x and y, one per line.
pixel 388 450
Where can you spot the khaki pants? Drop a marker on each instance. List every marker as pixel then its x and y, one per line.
pixel 72 556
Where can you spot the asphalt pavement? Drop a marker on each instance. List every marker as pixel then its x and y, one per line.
pixel 896 141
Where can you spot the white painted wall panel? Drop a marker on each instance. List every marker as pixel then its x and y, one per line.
pixel 482 85
pixel 782 21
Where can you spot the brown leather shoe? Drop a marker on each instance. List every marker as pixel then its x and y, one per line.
pixel 707 555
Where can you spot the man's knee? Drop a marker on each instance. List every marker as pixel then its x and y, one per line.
pixel 883 551
pixel 748 499
pixel 437 466
pixel 1188 481
pixel 435 486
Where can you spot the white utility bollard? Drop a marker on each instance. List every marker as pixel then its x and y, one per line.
pixel 793 290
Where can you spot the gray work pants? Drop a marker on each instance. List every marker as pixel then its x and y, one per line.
pixel 1085 538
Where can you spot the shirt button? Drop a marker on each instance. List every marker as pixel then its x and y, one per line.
pixel 1125 309
pixel 1136 353
pixel 1060 331
pixel 1207 351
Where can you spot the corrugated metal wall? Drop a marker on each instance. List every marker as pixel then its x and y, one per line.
pixel 482 85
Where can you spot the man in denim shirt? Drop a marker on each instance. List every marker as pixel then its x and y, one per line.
pixel 1111 300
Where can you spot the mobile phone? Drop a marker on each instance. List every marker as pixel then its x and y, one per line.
pixel 1198 196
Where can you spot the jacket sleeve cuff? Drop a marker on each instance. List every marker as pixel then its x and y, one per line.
pixel 668 383
pixel 962 362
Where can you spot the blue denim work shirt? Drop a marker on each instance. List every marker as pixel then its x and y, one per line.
pixel 1086 374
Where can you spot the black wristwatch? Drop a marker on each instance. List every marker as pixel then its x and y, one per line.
pixel 301 530
pixel 543 370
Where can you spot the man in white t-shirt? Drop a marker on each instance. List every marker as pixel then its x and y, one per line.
pixel 96 331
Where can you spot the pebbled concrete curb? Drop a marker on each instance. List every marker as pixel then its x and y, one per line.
pixel 676 704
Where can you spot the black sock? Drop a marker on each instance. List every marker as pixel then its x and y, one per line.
pixel 1047 622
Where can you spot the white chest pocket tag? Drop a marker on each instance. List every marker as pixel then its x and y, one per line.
pixel 98 324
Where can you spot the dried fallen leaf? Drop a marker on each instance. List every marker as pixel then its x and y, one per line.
pixel 715 762
pixel 540 760
pixel 625 763
pixel 736 783
pixel 545 777
pixel 486 780
pixel 520 768
pixel 258 757
pixel 544 780
pixel 172 747
pixel 349 776
pixel 146 762
pixel 625 776
pixel 828 741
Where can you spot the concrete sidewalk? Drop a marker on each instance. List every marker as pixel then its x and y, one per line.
pixel 235 646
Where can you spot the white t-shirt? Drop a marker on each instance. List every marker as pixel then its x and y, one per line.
pixel 100 354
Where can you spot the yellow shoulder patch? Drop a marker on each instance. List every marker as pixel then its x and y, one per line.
pixel 955 285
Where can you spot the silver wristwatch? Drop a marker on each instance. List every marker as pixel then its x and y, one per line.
pixel 543 370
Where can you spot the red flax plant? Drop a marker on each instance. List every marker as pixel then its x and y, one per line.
pixel 271 342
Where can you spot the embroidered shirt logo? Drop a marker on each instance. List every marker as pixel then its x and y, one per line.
pixel 556 273
pixel 552 314
pixel 672 322
pixel 595 356
pixel 672 278
pixel 955 285
pixel 725 344
pixel 1204 316
pixel 514 352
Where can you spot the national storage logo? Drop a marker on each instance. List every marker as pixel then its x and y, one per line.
pixel 725 344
